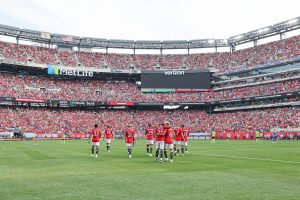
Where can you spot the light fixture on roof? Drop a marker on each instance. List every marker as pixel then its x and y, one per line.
pixel 263 30
pixel 292 21
pixel 238 37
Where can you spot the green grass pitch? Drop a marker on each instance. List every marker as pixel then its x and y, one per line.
pixel 225 170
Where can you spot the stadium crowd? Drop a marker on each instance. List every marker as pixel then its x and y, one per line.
pixel 259 79
pixel 223 61
pixel 26 86
pixel 78 121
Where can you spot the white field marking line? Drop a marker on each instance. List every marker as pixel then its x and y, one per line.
pixel 248 158
pixel 246 149
pixel 207 150
pixel 290 148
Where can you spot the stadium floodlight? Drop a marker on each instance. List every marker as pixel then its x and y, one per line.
pixel 263 30
pixel 292 21
pixel 211 41
pixel 238 37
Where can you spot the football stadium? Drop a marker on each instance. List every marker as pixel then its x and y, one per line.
pixel 86 117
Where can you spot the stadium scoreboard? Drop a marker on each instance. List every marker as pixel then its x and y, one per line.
pixel 176 79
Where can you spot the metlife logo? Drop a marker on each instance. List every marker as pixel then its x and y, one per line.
pixel 56 70
pixel 53 70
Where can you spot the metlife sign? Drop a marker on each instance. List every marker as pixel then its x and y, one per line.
pixel 66 71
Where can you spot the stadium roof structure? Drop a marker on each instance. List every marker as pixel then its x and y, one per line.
pixel 87 42
pixel 269 31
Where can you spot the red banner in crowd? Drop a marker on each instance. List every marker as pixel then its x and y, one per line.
pixel 114 103
pixel 192 90
pixel 78 135
pixel 251 135
pixel 31 100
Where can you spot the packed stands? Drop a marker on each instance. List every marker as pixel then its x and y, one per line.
pixel 259 79
pixel 36 87
pixel 42 120
pixel 78 121
pixel 225 61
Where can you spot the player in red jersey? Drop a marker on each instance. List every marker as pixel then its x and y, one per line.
pixel 168 141
pixel 160 141
pixel 177 142
pixel 129 139
pixel 150 139
pixel 109 134
pixel 95 135
pixel 184 139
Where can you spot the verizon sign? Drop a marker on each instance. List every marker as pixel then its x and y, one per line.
pixel 174 73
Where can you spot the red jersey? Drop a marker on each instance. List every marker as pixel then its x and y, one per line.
pixel 108 133
pixel 129 135
pixel 149 133
pixel 169 136
pixel 185 134
pixel 177 132
pixel 160 134
pixel 96 134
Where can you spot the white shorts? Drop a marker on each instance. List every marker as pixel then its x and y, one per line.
pixel 160 145
pixel 97 144
pixel 128 144
pixel 177 142
pixel 108 141
pixel 169 146
pixel 184 143
pixel 150 142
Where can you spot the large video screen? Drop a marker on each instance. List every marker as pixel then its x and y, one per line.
pixel 176 79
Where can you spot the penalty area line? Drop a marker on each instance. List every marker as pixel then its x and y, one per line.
pixel 247 158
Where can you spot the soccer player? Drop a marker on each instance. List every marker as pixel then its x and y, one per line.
pixel 63 136
pixel 213 136
pixel 228 136
pixel 168 141
pixel 184 139
pixel 257 135
pixel 150 139
pixel 129 139
pixel 95 135
pixel 108 132
pixel 177 142
pixel 274 137
pixel 160 141
pixel 261 136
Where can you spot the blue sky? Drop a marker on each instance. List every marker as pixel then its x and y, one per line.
pixel 146 19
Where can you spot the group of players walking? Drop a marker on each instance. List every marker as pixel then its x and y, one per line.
pixel 162 135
